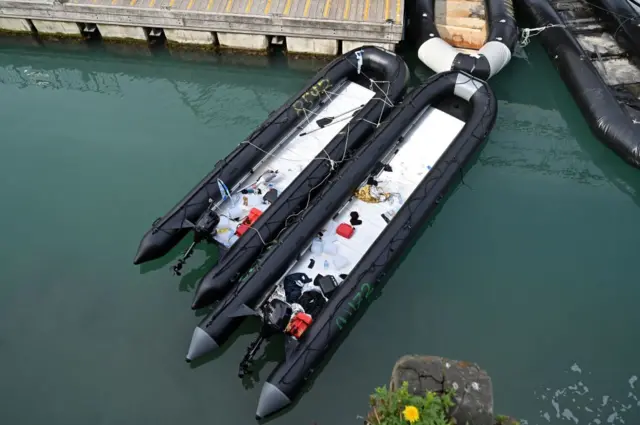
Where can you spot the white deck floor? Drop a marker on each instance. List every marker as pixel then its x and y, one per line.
pixel 418 153
pixel 292 155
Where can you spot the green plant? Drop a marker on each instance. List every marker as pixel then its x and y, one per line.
pixel 399 407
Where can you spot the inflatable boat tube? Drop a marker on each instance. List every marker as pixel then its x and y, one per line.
pixel 450 91
pixel 609 113
pixel 355 66
pixel 451 152
pixel 387 75
pixel 625 15
pixel 438 55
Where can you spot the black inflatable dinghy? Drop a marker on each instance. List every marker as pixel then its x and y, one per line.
pixel 330 261
pixel 595 46
pixel 267 176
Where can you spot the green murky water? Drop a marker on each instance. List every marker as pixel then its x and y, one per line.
pixel 530 269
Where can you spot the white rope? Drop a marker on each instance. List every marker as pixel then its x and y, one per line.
pixel 527 33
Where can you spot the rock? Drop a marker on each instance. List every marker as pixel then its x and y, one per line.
pixel 506 420
pixel 472 385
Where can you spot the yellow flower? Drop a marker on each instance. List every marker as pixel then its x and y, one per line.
pixel 411 413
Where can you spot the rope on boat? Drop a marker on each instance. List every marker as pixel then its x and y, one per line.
pixel 527 33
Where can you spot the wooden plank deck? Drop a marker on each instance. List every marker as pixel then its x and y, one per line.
pixel 375 11
pixel 462 23
pixel 358 21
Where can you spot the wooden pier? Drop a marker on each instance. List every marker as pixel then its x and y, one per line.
pixel 322 27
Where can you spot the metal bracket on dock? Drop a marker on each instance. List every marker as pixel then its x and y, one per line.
pixel 89 28
pixel 156 32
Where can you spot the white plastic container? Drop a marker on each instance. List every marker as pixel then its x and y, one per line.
pixel 340 262
pixel 317 246
pixel 330 248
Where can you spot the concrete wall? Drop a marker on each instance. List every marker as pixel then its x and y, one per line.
pixel 350 45
pixel 202 38
pixel 56 27
pixel 315 46
pixel 122 32
pixel 15 25
pixel 243 41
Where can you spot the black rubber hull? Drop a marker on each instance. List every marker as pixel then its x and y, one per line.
pixel 168 230
pixel 387 67
pixel 609 122
pixel 289 377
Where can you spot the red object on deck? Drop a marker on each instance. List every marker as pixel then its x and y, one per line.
pixel 345 230
pixel 254 213
pixel 240 230
pixel 298 324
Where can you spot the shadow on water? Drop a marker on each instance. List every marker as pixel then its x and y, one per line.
pixel 190 280
pixel 272 351
pixel 187 280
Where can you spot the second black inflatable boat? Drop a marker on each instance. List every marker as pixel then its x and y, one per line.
pixel 595 47
pixel 249 194
pixel 327 265
pixel 439 56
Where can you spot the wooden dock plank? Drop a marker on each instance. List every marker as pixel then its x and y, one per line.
pixel 358 9
pixel 277 7
pixel 348 12
pixel 201 5
pixel 237 6
pixel 268 5
pixel 339 10
pixel 219 6
pixel 336 9
pixel 339 19
pixel 316 9
pixel 461 23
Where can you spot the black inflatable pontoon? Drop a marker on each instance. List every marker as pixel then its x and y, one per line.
pixel 600 70
pixel 438 55
pixel 330 261
pixel 386 75
pixel 273 171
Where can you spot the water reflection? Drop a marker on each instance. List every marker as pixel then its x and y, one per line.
pixel 578 403
pixel 94 72
pixel 538 140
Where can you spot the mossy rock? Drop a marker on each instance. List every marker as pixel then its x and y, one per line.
pixel 506 420
pixel 472 385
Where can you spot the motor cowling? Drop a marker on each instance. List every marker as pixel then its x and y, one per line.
pixel 205 226
pixel 276 315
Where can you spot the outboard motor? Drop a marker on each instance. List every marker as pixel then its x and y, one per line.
pixel 202 231
pixel 275 318
pixel 205 226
